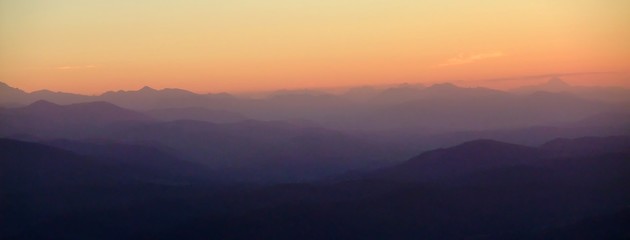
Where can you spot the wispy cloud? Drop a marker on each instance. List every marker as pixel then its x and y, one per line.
pixel 74 67
pixel 63 68
pixel 548 75
pixel 464 59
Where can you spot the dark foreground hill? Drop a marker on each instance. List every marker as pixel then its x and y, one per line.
pixel 495 191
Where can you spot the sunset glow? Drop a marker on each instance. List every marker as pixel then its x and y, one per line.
pixel 213 46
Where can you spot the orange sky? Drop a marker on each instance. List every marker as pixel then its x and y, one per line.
pixel 212 46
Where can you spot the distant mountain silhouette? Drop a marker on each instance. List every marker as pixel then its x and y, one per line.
pixel 397 94
pixel 142 99
pixel 6 89
pixel 478 109
pixel 195 113
pixel 462 159
pixel 149 98
pixel 483 155
pixel 255 150
pixel 63 163
pixel 10 96
pixel 550 161
pixel 60 97
pixel 360 94
pixel 36 165
pixel 620 120
pixel 445 108
pixel 408 108
pixel 297 92
pixel 409 93
pixel 587 146
pixel 556 84
pixel 408 118
pixel 288 105
pixel 91 111
pixel 46 119
pixel 15 97
pixel 449 90
pixel 148 162
pixel 259 150
pixel 598 126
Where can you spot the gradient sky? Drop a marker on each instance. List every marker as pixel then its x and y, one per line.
pixel 245 45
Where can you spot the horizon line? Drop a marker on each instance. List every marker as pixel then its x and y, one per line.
pixel 431 83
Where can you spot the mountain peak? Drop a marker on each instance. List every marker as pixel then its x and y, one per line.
pixel 147 89
pixel 443 86
pixel 46 91
pixel 96 105
pixel 42 104
pixel 484 143
pixel 6 88
pixel 557 82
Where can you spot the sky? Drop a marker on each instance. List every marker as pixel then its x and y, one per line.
pixel 245 45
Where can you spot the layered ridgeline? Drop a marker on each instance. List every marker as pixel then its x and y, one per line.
pixel 440 115
pixel 261 151
pixel 307 135
pixel 482 189
pixel 405 108
pixel 175 164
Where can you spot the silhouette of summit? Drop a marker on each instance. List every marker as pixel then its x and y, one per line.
pixel 443 86
pixel 45 119
pixel 41 105
pixel 462 159
pixel 553 85
pixel 557 82
pixel 146 89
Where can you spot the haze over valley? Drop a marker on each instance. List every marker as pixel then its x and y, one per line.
pixel 492 120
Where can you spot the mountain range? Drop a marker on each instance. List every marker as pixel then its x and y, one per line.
pixel 317 135
pixel 556 189
pixel 408 161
